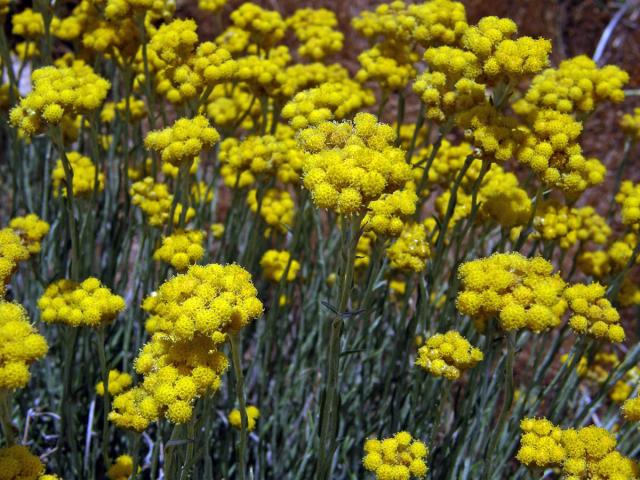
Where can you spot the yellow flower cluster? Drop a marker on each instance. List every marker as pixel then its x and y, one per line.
pixel 27 50
pixel 411 250
pixel 630 124
pixel 266 27
pixel 207 300
pixel 631 409
pixel 446 164
pixel 244 160
pixel 520 292
pixel 121 469
pixel 328 101
pixel 184 140
pixel 235 419
pixel 84 176
pixel 501 57
pixel 391 69
pixel 593 313
pixel 541 443
pixel 172 44
pixel 137 110
pixel 629 199
pixel 552 152
pixel 31 230
pixel 226 108
pixel 385 215
pixel 497 136
pixel 588 452
pixel 175 373
pixel 118 10
pixel 399 457
pixel 391 21
pixel 363 250
pixel 155 201
pixel 12 251
pixel 577 85
pixel 20 346
pixel 315 29
pixel 212 6
pixel 449 86
pixel 265 76
pixel 351 164
pixel 118 383
pixel 568 225
pixel 190 316
pixel 276 209
pixel 18 463
pixel 448 355
pixel 439 22
pixel 58 91
pixel 27 24
pixel 89 303
pixel 181 249
pixel 274 264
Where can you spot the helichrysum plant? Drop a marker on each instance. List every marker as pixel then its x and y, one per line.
pixel 249 241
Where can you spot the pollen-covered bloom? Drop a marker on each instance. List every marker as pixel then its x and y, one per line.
pixel 84 176
pixel 522 293
pixel 181 249
pixel 593 314
pixel 569 225
pixel 400 456
pixel 58 91
pixel 629 198
pixel 31 230
pixel 274 263
pixel 540 445
pixel 184 140
pixel 156 202
pixel 578 85
pixel 121 469
pixel 276 208
pixel 411 250
pixel 266 27
pixel 315 30
pixel 209 300
pixel 386 215
pixel 448 355
pixel 12 251
pixel 27 24
pixel 235 419
pixel 18 463
pixel 88 303
pixel 630 124
pixel 118 383
pixel 350 164
pixel 20 346
pixel 552 151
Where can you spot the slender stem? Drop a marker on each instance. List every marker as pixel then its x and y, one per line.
pixel 236 349
pixel 107 397
pixel 5 417
pixel 329 416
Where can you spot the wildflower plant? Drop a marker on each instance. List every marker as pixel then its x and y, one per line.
pixel 227 251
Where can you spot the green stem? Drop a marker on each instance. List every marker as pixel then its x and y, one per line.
pixel 107 398
pixel 5 417
pixel 236 349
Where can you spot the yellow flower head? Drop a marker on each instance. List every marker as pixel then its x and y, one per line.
pixel 266 27
pixel 181 249
pixel 275 262
pixel 208 300
pixel 58 90
pixel 27 24
pixel 156 202
pixel 276 208
pixel 12 251
pixel 447 355
pixel 350 164
pixel 31 229
pixel 118 383
pixel 88 303
pixel 521 292
pixel 315 30
pixel 400 456
pixel 20 346
pixel 17 462
pixel 84 176
pixel 121 469
pixel 540 445
pixel 411 250
pixel 184 140
pixel 593 314
pixel 235 418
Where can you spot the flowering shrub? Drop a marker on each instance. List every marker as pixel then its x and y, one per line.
pixel 227 252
